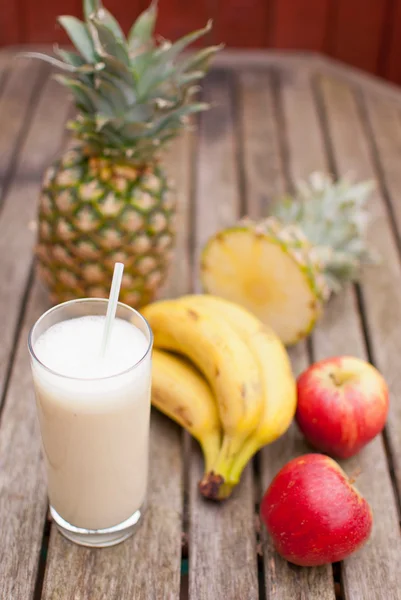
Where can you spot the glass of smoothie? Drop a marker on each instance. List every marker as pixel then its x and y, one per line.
pixel 94 417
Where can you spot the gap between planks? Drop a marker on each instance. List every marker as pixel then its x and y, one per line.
pixel 222 543
pixel 180 164
pixel 372 359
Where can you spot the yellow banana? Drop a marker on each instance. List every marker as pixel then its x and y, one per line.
pixel 278 383
pixel 225 360
pixel 180 392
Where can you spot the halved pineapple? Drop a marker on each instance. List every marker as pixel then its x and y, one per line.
pixel 284 268
pixel 269 271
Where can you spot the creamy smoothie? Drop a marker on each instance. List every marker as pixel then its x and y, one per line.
pixel 94 419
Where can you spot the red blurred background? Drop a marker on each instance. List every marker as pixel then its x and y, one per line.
pixel 363 33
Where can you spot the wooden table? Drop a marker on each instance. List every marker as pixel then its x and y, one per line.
pixel 277 118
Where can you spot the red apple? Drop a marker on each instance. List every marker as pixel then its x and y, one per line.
pixel 342 405
pixel 313 513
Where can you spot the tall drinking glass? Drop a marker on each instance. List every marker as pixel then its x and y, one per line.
pixel 94 425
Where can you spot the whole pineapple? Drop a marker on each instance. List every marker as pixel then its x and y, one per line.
pixel 285 267
pixel 108 199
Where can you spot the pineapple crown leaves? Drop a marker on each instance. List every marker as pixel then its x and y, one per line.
pixel 133 93
pixel 333 217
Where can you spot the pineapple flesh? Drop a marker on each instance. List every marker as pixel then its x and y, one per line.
pixel 269 271
pixel 107 198
pixel 285 267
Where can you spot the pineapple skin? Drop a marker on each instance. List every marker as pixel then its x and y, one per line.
pixel 94 212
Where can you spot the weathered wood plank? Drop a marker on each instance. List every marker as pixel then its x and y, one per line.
pixel 217 177
pixel 222 543
pixel 305 146
pixel 339 333
pixel 261 155
pixel 23 502
pixel 384 124
pixel 283 580
pixel 16 101
pixel 148 564
pixel 178 160
pixel 373 572
pixel 17 234
pixel 381 293
pixel 237 59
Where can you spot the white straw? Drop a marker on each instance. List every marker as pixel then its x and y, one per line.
pixel 112 305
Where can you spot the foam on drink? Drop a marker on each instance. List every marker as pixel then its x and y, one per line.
pixel 71 347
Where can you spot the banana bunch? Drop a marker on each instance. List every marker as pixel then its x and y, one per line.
pixel 223 376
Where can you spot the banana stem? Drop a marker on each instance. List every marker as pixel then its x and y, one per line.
pixel 251 446
pixel 210 444
pixel 230 447
pixel 216 484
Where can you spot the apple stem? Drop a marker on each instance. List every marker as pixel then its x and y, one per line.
pixel 354 476
pixel 341 377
